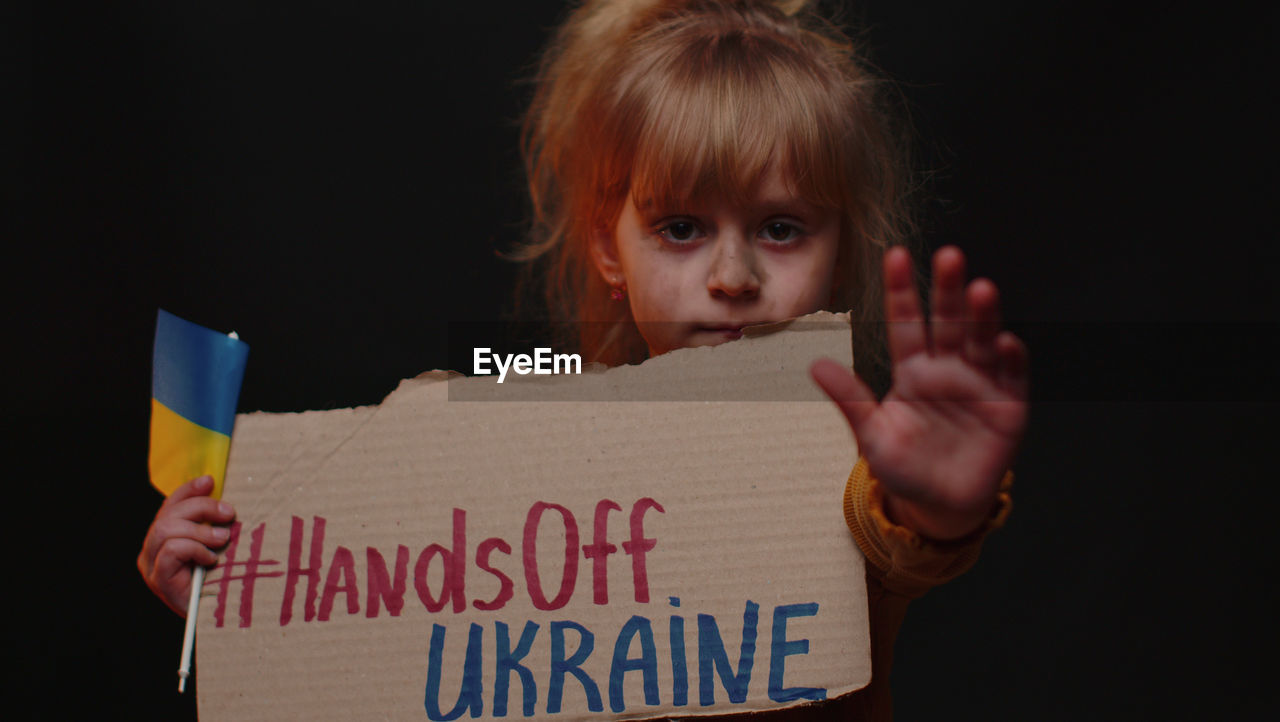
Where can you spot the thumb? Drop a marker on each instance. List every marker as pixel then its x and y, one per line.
pixel 847 391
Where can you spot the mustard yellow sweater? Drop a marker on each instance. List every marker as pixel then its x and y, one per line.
pixel 901 565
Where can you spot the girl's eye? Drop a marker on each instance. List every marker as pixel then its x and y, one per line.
pixel 679 232
pixel 780 232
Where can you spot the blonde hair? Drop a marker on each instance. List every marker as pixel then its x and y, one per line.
pixel 678 99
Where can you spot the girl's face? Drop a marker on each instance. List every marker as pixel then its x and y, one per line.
pixel 696 274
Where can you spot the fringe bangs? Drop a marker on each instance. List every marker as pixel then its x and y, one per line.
pixel 713 119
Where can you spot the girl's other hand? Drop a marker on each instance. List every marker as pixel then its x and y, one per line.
pixel 943 437
pixel 178 538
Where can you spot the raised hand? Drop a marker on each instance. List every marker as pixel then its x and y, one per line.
pixel 944 435
pixel 177 539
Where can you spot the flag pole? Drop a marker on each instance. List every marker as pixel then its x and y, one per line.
pixel 193 611
pixel 189 636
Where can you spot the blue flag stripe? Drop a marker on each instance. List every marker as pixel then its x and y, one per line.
pixel 196 372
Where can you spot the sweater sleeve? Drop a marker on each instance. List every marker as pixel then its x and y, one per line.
pixel 906 563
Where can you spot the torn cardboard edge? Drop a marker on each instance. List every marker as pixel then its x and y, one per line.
pixel 579 560
pixel 765 371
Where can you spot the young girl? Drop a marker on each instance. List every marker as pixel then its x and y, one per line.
pixel 696 167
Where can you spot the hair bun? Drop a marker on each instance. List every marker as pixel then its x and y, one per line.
pixel 602 19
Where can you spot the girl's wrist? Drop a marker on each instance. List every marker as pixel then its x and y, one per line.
pixel 934 523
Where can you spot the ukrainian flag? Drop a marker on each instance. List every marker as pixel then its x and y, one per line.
pixel 195 382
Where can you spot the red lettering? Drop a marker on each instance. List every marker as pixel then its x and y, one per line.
pixel 387 587
pixel 251 574
pixel 224 583
pixel 249 578
pixel 455 569
pixel 420 578
pixel 344 565
pixel 505 591
pixel 295 569
pixel 381 588
pixel 639 545
pixel 599 550
pixel 570 575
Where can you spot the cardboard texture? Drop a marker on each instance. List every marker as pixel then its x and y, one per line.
pixel 430 558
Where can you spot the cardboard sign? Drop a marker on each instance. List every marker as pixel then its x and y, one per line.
pixel 441 559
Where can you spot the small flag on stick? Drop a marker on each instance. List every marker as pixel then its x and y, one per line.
pixel 195 383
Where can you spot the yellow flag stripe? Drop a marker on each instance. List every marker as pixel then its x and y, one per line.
pixel 182 451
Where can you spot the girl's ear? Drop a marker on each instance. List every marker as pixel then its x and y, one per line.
pixel 604 254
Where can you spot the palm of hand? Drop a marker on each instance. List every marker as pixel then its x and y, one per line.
pixel 945 433
pixel 942 438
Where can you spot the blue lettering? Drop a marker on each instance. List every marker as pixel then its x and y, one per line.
pixel 712 658
pixel 780 648
pixel 679 667
pixel 472 683
pixel 647 663
pixel 573 665
pixel 508 662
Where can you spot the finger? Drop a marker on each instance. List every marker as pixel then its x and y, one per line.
pixel 984 324
pixel 201 508
pixel 173 590
pixel 902 307
pixel 178 554
pixel 853 398
pixel 171 577
pixel 199 486
pixel 947 302
pixel 173 520
pixel 1012 366
pixel 210 536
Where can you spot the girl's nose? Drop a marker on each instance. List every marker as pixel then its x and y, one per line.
pixel 733 272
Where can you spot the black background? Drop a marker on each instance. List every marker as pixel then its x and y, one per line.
pixel 332 180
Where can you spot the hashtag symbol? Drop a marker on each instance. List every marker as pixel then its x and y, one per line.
pixel 251 574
